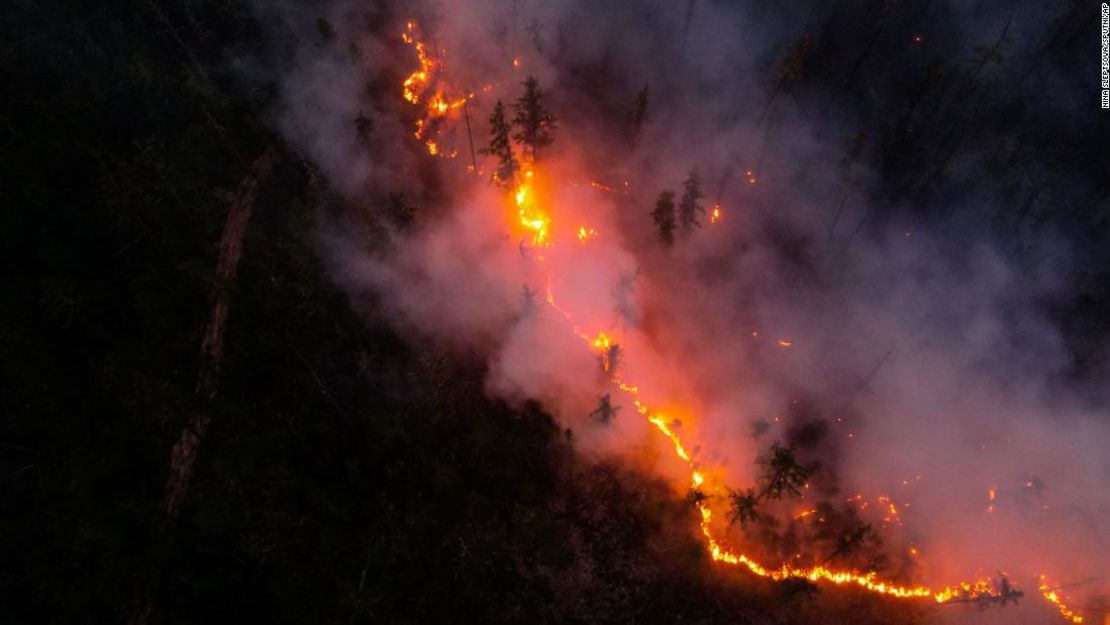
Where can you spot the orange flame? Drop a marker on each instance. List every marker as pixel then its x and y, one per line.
pixel 533 219
pixel 531 215
pixel 424 83
pixel 1054 598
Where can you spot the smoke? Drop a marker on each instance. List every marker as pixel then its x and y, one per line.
pixel 884 287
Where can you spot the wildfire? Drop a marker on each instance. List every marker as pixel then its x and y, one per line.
pixel 533 219
pixel 602 342
pixel 424 83
pixel 417 81
pixel 963 591
pixel 1054 598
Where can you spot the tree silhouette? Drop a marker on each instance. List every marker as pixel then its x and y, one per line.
pixel 743 506
pixel 500 146
pixel 605 410
pixel 783 474
pixel 534 122
pixel 610 359
pixel 664 216
pixel 689 207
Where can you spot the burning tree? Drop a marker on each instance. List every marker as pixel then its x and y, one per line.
pixel 664 216
pixel 500 146
pixel 689 207
pixel 534 121
pixel 610 359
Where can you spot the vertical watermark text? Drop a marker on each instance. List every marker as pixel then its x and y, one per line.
pixel 1104 36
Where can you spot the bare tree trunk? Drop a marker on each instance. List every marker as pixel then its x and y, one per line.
pixel 183 456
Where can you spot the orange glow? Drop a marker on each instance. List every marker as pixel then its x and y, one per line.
pixel 516 61
pixel 602 341
pixel 531 216
pixel 528 214
pixel 1054 598
pixel 424 84
pixel 715 214
pixel 417 81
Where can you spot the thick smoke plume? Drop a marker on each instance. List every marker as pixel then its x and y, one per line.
pixel 874 292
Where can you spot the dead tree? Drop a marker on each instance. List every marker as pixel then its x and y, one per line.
pixel 183 456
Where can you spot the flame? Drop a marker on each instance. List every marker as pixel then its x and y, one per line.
pixel 534 220
pixel 980 588
pixel 417 81
pixel 532 217
pixel 1054 598
pixel 602 342
pixel 424 83
pixel 715 214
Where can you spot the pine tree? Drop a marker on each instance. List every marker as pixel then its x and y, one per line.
pixel 783 474
pixel 605 410
pixel 689 207
pixel 499 145
pixel 664 216
pixel 534 121
pixel 743 506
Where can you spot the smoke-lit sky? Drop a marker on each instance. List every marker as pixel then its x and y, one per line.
pixel 910 197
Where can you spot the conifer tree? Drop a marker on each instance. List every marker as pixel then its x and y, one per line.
pixel 689 207
pixel 605 410
pixel 743 506
pixel 500 146
pixel 783 474
pixel 534 122
pixel 664 216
